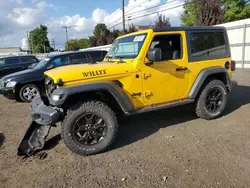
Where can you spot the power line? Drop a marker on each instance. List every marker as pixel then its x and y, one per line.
pixel 134 6
pixel 129 15
pixel 162 4
pixel 156 12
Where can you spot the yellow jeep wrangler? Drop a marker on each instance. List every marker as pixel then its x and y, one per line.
pixel 143 71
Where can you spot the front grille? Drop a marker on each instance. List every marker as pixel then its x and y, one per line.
pixel 49 86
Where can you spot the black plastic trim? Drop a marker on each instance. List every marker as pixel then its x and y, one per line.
pixel 203 76
pixel 8 93
pixel 202 28
pixel 161 106
pixel 117 92
pixel 42 114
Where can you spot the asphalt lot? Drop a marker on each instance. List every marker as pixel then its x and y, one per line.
pixel 168 148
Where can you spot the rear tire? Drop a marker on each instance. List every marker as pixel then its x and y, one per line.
pixel 28 92
pixel 212 100
pixel 82 136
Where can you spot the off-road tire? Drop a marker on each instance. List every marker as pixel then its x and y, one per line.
pixel 20 93
pixel 87 107
pixel 201 110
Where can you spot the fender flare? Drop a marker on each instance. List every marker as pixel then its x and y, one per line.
pixel 201 78
pixel 110 86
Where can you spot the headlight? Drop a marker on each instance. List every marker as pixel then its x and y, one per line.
pixel 11 84
pixel 57 97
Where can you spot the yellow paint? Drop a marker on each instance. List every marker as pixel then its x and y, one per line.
pixel 157 83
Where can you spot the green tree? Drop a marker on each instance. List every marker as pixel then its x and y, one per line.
pixel 161 21
pixel 189 17
pixel 76 44
pixel 38 40
pixel 113 35
pixel 236 9
pixel 100 30
pixel 83 43
pixel 218 11
pixel 130 29
pixel 102 36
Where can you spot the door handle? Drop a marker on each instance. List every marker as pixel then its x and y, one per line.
pixel 181 69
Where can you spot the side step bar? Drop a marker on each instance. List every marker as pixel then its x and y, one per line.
pixel 161 106
pixel 34 139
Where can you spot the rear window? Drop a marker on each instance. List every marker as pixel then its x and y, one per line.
pixel 80 58
pixel 208 45
pixel 97 55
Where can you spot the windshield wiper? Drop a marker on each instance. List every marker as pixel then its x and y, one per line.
pixel 120 58
pixel 109 57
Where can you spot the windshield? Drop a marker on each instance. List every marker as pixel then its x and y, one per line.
pixel 41 63
pixel 127 47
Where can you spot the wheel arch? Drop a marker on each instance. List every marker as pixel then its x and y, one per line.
pixel 109 92
pixel 207 75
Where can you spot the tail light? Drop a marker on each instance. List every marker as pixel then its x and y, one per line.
pixel 232 66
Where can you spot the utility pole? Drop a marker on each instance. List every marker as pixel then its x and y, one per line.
pixel 28 45
pixel 32 47
pixel 54 44
pixel 44 48
pixel 66 31
pixel 123 16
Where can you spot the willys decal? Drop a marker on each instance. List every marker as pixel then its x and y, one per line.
pixel 94 73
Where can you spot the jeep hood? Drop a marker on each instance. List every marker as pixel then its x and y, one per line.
pixel 87 72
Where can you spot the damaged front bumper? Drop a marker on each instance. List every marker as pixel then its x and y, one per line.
pixel 43 117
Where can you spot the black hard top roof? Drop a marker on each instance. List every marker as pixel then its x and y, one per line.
pixel 202 28
pixel 74 52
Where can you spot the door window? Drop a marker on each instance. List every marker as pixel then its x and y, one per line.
pixel 28 60
pixel 59 61
pixel 12 61
pixel 170 45
pixel 79 59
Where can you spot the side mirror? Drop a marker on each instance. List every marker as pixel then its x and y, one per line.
pixel 51 66
pixel 154 54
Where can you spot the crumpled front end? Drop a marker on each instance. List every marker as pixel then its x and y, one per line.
pixel 43 117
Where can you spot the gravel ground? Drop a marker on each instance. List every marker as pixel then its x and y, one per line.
pixel 168 148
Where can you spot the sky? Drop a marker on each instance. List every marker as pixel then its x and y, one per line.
pixel 19 16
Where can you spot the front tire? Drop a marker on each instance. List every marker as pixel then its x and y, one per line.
pixel 28 92
pixel 89 128
pixel 212 100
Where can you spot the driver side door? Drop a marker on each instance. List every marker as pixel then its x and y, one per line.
pixel 167 80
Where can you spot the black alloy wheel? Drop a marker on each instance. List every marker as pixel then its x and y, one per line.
pixel 214 100
pixel 89 129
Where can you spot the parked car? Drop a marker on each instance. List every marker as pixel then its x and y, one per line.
pixel 27 84
pixel 143 71
pixel 13 64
